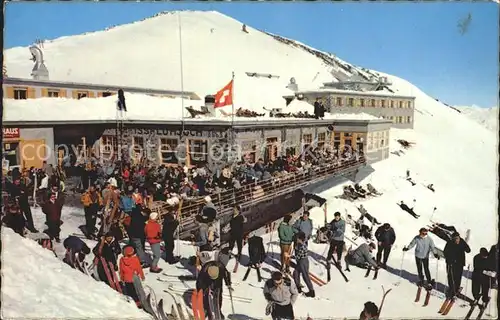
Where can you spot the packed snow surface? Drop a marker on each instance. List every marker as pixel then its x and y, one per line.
pixel 35 284
pixel 488 117
pixel 462 166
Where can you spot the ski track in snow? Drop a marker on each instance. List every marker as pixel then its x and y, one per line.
pixel 462 167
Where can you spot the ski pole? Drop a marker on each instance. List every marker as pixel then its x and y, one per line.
pixel 231 298
pixel 432 215
pixel 437 273
pixel 466 283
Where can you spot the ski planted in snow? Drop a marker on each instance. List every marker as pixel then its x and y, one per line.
pixel 339 269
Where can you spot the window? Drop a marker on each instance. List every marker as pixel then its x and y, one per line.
pixel 271 152
pixel 168 150
pixel 408 119
pixel 321 139
pixel 392 104
pixel 249 149
pixel 109 147
pixel 372 103
pixel 336 136
pixel 339 101
pixel 391 118
pixel 20 93
pixel 198 152
pixel 53 94
pixel 307 139
pixel 347 134
pixel 138 147
pixel 400 104
pixel 408 104
pixel 400 119
pixel 361 102
pixel 291 151
pixel 370 141
pixel 350 102
pixel 82 94
pixel 382 103
pixel 106 94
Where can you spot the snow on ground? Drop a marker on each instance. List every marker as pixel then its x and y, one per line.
pixel 488 117
pixel 35 284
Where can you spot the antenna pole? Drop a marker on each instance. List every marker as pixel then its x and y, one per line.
pixel 232 110
pixel 182 72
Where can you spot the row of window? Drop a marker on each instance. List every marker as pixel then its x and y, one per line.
pixel 373 103
pixel 399 119
pixel 377 140
pixel 21 93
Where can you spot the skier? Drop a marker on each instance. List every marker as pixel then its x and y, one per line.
pixel 137 234
pixel 481 281
pixel 52 209
pixel 210 282
pixel 431 187
pixel 372 189
pixel 281 294
pixel 106 251
pixel 361 257
pixel 337 227
pixel 424 246
pixel 92 202
pixel 386 237
pixel 370 311
pixel 286 234
pixel 365 214
pixel 170 224
pixel 305 225
pixel 359 189
pixel 130 265
pixel 443 231
pixel 76 250
pixel 236 231
pixel 302 268
pixel 454 253
pixel 404 207
pixel 153 237
pixel 256 254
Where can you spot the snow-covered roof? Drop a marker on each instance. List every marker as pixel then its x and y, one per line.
pixel 297 105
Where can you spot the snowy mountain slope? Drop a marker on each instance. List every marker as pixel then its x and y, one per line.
pixel 35 284
pixel 488 117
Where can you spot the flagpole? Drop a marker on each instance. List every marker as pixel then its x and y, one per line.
pixel 232 110
pixel 182 73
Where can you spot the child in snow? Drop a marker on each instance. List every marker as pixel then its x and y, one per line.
pixel 153 237
pixel 130 265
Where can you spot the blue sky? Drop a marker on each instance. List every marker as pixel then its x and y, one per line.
pixel 419 42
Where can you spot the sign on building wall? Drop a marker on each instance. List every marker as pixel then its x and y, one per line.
pixel 11 133
pixel 171 133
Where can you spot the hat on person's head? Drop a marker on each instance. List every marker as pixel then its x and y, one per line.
pixel 208 199
pixel 276 276
pixel 386 225
pixel 336 214
pixel 213 272
pixel 373 245
pixel 455 234
pixel 422 230
pixel 153 216
pixel 128 251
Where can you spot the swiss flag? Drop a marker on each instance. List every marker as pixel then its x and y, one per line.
pixel 224 97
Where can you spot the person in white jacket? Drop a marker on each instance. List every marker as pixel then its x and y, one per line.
pixel 423 246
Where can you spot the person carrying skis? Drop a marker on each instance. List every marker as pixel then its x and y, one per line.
pixel 304 224
pixel 76 250
pixel 285 233
pixel 386 237
pixel 280 294
pixel 423 246
pixel 361 257
pixel 337 227
pixel 130 265
pixel 454 253
pixel 236 231
pixel 302 268
pixel 210 282
pixel 480 280
pixel 153 237
pixel 370 311
pixel 405 207
pixel 170 224
pixel 92 202
pixel 106 252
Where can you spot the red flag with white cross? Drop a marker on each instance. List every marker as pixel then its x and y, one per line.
pixel 224 97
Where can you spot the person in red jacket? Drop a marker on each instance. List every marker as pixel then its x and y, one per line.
pixel 153 237
pixel 130 265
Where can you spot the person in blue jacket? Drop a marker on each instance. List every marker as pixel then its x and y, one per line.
pixel 337 228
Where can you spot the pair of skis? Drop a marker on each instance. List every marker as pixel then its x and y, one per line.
pixel 109 271
pixel 375 275
pixel 482 308
pixel 148 302
pixel 428 288
pixel 335 263
pixel 314 278
pixel 448 304
pixel 213 304
pixel 249 268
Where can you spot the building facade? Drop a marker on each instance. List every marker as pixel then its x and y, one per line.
pixel 192 143
pixel 397 109
pixel 15 88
